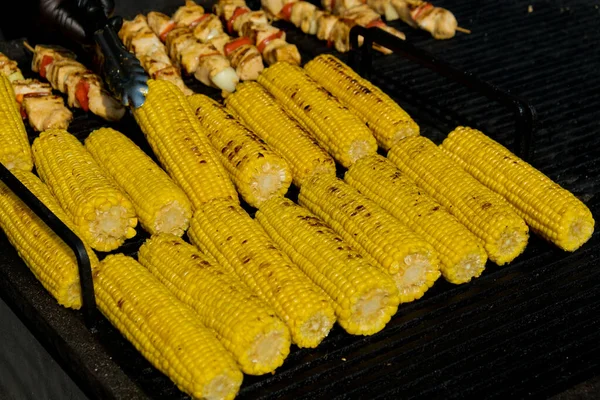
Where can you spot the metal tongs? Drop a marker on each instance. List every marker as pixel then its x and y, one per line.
pixel 124 76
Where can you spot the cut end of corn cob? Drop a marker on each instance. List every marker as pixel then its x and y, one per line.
pixel 579 229
pixel 419 273
pixel 470 266
pixel 109 223
pixel 315 328
pixel 219 387
pixel 173 218
pixel 550 210
pixel 510 244
pixel 371 312
pixel 267 351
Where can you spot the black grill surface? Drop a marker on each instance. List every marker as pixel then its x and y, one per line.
pixel 529 329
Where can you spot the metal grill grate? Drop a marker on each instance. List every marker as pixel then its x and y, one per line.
pixel 530 328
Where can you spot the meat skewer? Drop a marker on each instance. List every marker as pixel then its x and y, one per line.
pixel 202 60
pixel 254 25
pixel 84 89
pixel 207 28
pixel 438 21
pixel 39 106
pixel 139 39
pixel 333 28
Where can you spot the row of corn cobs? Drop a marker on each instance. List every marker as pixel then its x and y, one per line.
pixel 351 252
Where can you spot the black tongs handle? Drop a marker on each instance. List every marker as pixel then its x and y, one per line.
pixel 124 75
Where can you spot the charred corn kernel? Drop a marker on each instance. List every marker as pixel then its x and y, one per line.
pixel 551 211
pixel 167 332
pixel 462 256
pixel 47 256
pixel 380 238
pixel 482 211
pixel 259 111
pixel 387 120
pixel 103 215
pixel 364 297
pixel 160 204
pixel 181 145
pixel 224 230
pixel 247 327
pixel 336 128
pixel 257 171
pixel 15 152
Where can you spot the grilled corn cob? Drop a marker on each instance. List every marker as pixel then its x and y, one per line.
pixel 161 205
pixel 250 330
pixel 224 230
pixel 462 256
pixel 259 111
pixel 364 297
pixel 181 145
pixel 164 330
pixel 15 152
pixel 47 256
pixel 551 211
pixel 387 120
pixel 336 128
pixel 103 215
pixel 258 172
pixel 482 211
pixel 380 238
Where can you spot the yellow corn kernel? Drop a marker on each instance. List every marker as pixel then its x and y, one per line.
pixel 365 298
pixel 551 211
pixel 336 128
pixel 161 205
pixel 380 238
pixel 47 256
pixel 257 171
pixel 387 120
pixel 246 326
pixel 482 211
pixel 15 152
pixel 181 145
pixel 259 111
pixel 166 331
pixel 103 214
pixel 462 256
pixel 224 230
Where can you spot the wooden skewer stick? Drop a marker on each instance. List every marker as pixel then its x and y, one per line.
pixel 28 47
pixel 463 30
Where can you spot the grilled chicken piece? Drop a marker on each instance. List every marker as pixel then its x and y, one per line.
pixel 325 24
pixel 280 50
pixel 252 17
pixel 58 72
pixel 10 69
pixel 31 86
pixel 304 15
pixel 178 40
pixel 220 41
pixel 247 61
pixel 340 34
pixel 46 112
pixel 259 32
pixel 225 8
pixel 208 28
pixel 188 14
pixel 38 64
pixel 362 15
pixel 338 7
